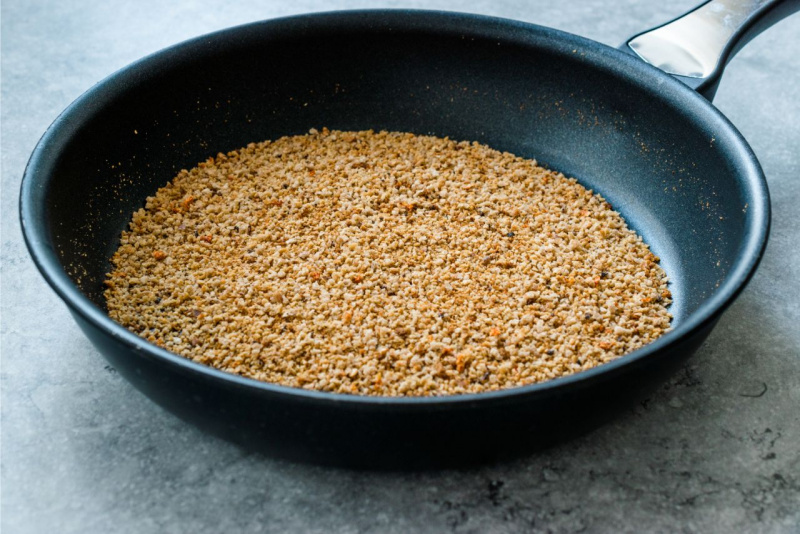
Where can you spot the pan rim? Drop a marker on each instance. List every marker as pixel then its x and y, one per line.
pixel 619 63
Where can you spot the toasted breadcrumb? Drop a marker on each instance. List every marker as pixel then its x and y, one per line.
pixel 385 264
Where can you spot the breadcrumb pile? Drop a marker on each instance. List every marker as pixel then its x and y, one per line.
pixel 384 263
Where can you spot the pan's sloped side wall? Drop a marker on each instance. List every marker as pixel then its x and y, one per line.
pixel 533 92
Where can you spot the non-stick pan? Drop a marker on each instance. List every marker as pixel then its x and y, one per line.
pixel 677 170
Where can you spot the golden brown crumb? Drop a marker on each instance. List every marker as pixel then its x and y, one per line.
pixel 385 264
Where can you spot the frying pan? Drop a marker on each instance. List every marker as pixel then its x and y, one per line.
pixel 678 171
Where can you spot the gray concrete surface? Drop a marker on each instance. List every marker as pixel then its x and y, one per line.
pixel 84 452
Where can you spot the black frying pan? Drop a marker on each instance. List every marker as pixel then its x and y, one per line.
pixel 678 171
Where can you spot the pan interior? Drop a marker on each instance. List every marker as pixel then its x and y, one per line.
pixel 533 92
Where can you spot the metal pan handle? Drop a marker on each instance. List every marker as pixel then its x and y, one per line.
pixel 696 46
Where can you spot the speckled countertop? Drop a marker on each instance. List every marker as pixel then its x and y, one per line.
pixel 716 449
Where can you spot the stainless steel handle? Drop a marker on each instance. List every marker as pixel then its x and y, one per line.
pixel 696 46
